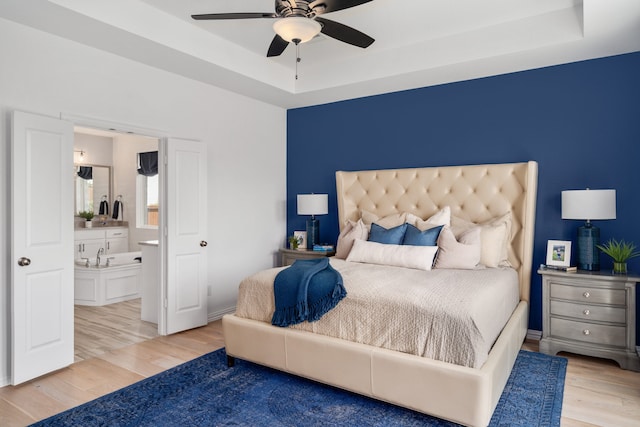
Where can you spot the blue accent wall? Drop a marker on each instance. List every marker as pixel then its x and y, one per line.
pixel 579 121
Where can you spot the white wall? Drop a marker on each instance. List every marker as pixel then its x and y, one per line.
pixel 246 141
pixel 125 174
pixel 98 150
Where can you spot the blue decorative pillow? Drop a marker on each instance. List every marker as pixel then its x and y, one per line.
pixel 392 236
pixel 413 236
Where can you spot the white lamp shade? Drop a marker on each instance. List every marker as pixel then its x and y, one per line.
pixel 589 204
pixel 313 204
pixel 297 27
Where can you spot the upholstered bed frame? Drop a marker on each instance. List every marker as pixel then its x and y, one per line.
pixel 464 395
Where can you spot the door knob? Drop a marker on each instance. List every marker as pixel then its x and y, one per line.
pixel 203 243
pixel 23 261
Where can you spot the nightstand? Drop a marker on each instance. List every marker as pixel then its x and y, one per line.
pixel 590 313
pixel 288 256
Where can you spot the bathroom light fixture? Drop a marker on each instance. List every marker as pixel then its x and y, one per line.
pixel 313 204
pixel 297 28
pixel 81 156
pixel 589 205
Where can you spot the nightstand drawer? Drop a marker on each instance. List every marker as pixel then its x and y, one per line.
pixel 589 332
pixel 584 312
pixel 588 295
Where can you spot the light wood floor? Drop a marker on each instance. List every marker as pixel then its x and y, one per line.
pixel 109 327
pixel 597 392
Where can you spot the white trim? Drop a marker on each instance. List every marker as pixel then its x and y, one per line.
pixel 533 335
pixel 217 315
pixel 106 125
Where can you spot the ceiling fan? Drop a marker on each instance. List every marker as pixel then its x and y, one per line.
pixel 300 22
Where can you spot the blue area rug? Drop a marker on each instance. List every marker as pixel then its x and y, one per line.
pixel 205 392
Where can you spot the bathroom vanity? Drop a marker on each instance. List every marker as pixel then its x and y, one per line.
pixel 113 240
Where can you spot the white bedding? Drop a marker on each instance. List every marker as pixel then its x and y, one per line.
pixel 448 315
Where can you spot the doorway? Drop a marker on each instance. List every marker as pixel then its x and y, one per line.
pixel 42 281
pixel 121 198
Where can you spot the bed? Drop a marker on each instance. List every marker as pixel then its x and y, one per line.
pixel 462 394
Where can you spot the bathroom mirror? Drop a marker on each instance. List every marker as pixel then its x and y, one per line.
pixel 90 189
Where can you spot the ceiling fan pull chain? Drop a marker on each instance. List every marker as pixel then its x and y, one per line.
pixel 297 42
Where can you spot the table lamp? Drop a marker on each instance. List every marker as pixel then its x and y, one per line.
pixel 313 204
pixel 588 205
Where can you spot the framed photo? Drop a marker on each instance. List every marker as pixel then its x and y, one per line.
pixel 302 239
pixel 559 253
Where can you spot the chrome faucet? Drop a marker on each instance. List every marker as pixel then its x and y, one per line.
pixel 100 251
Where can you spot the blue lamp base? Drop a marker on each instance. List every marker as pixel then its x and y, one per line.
pixel 588 253
pixel 313 232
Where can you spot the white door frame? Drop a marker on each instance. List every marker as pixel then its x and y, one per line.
pixel 163 249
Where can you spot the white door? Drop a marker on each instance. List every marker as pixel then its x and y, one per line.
pixel 183 295
pixel 41 245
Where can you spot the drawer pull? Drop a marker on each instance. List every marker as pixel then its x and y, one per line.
pixel 586 294
pixel 586 332
pixel 586 312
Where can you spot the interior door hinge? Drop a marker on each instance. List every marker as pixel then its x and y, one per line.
pixel 166 303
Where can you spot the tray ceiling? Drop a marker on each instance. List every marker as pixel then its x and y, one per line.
pixel 418 42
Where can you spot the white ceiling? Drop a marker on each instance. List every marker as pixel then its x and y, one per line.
pixel 418 42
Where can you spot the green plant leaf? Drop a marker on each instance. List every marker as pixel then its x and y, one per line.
pixel 88 215
pixel 620 251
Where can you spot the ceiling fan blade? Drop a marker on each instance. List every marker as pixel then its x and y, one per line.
pixel 344 33
pixel 207 16
pixel 333 5
pixel 277 46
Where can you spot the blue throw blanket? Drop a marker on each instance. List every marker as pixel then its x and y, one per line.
pixel 306 291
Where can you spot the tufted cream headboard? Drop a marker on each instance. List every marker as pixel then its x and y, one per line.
pixel 476 193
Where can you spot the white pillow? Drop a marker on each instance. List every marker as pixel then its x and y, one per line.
pixel 352 231
pixel 463 253
pixel 495 237
pixel 418 257
pixel 442 217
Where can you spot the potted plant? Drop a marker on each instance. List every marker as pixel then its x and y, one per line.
pixel 88 216
pixel 294 241
pixel 620 252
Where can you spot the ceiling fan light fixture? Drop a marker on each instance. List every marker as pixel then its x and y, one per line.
pixel 297 27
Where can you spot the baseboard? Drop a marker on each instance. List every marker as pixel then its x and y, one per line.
pixel 533 335
pixel 216 315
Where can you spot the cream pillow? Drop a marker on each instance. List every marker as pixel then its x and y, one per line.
pixel 418 257
pixel 442 217
pixel 387 222
pixel 463 253
pixel 495 238
pixel 352 231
